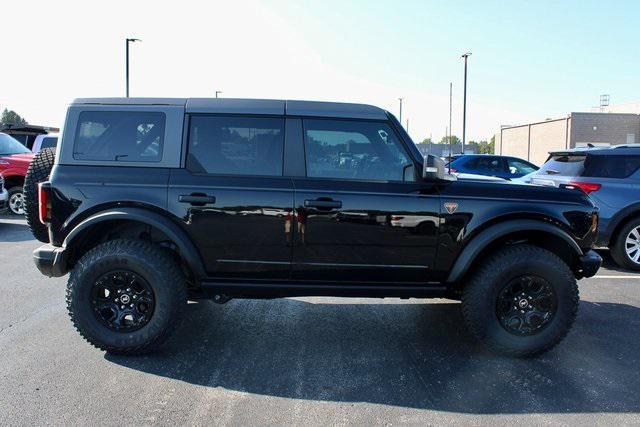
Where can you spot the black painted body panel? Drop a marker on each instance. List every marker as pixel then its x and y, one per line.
pixel 263 229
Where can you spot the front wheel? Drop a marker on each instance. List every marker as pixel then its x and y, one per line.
pixel 126 296
pixel 521 302
pixel 16 200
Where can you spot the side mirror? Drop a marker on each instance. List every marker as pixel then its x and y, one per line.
pixel 434 169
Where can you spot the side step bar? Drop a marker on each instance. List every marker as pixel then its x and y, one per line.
pixel 281 290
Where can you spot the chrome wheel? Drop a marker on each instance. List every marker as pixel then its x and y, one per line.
pixel 632 245
pixel 16 203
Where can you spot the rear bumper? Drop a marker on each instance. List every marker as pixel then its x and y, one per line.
pixel 588 264
pixel 51 260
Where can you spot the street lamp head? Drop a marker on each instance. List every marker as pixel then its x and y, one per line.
pixel 466 54
pixel 134 40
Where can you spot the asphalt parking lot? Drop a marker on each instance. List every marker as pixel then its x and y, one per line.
pixel 311 361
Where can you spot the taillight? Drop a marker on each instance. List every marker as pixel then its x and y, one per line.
pixel 587 187
pixel 44 204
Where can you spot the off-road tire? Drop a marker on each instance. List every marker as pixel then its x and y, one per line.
pixel 480 296
pixel 39 171
pixel 618 249
pixel 147 260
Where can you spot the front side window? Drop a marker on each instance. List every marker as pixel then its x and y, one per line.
pixel 236 145
pixel 119 136
pixel 485 164
pixel 355 150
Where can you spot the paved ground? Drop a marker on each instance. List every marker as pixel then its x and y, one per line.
pixel 311 361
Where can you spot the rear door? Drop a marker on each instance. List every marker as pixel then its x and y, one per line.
pixel 232 196
pixel 361 213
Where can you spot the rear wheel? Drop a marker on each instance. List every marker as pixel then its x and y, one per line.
pixel 625 249
pixel 39 171
pixel 126 296
pixel 521 302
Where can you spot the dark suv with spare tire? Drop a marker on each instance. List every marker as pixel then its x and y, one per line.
pixel 151 202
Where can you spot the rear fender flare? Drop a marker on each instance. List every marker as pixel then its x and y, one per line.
pixel 187 249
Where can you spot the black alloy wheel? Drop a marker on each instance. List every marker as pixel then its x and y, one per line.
pixel 525 305
pixel 122 301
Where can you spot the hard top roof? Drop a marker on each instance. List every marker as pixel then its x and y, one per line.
pixel 251 106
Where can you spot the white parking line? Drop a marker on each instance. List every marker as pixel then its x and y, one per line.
pixel 616 277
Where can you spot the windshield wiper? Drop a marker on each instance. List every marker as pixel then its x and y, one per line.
pixel 120 156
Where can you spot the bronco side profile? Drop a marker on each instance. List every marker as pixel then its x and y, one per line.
pixel 151 202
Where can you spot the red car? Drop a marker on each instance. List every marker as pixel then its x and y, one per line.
pixel 14 162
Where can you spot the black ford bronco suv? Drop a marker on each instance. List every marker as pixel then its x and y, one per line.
pixel 151 202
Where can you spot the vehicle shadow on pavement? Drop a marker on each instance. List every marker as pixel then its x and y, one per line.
pixel 407 355
pixel 14 231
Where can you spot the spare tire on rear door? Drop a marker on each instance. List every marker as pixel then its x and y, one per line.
pixel 38 172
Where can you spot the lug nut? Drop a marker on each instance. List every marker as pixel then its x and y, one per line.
pixel 122 307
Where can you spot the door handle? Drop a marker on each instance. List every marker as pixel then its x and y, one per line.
pixel 327 204
pixel 197 199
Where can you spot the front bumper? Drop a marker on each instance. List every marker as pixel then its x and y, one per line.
pixel 51 260
pixel 4 197
pixel 588 264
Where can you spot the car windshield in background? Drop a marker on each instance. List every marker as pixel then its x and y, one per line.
pixel 613 166
pixel 563 164
pixel 9 145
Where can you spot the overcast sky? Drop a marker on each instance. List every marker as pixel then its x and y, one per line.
pixel 531 60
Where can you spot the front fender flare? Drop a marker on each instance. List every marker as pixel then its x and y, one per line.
pixel 187 249
pixel 478 243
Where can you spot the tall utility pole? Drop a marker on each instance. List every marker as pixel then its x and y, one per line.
pixel 400 119
pixel 450 110
pixel 407 125
pixel 464 104
pixel 217 92
pixel 127 60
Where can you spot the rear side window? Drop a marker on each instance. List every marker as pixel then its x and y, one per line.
pixel 611 166
pixel 236 145
pixel 563 164
pixel 48 142
pixel 119 136
pixel 355 150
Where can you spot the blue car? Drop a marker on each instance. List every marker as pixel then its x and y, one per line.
pixel 611 177
pixel 490 165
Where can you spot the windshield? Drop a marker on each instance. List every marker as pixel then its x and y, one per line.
pixel 563 164
pixel 9 145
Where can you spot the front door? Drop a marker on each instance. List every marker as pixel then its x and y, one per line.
pixel 361 214
pixel 232 197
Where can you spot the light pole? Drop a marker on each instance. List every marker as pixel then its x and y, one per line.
pixel 127 61
pixel 464 105
pixel 217 92
pixel 400 120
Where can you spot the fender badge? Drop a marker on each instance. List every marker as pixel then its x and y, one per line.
pixel 451 207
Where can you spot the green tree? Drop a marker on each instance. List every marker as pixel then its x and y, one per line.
pixel 453 139
pixel 10 117
pixel 426 141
